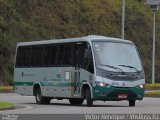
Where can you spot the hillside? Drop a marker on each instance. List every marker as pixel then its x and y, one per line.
pixel 28 20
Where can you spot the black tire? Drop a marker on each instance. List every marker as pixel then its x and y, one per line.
pixel 40 99
pixel 88 98
pixel 76 101
pixel 132 103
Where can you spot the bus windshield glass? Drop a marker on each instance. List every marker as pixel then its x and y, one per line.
pixel 117 56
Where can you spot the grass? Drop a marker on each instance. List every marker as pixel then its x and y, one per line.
pixel 153 92
pixel 5 105
pixel 152 85
pixel 6 88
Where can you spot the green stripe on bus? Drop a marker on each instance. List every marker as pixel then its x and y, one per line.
pixel 57 79
pixel 24 83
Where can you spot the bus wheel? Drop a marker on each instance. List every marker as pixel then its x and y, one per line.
pixel 88 98
pixel 40 99
pixel 76 101
pixel 132 103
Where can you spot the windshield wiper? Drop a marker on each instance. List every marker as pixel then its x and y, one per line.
pixel 114 67
pixel 129 66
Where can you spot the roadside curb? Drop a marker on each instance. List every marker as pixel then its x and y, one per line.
pixel 6 91
pixel 9 108
pixel 152 96
pixel 147 91
pixel 147 94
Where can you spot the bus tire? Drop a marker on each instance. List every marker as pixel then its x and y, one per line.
pixel 88 98
pixel 76 101
pixel 40 99
pixel 132 103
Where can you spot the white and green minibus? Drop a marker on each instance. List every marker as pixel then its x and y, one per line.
pixel 91 68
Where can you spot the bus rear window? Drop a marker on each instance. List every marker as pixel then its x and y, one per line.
pixel 23 57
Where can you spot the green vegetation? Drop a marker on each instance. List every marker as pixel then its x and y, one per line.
pixel 153 93
pixel 6 105
pixel 152 86
pixel 28 20
pixel 6 88
pixel 152 90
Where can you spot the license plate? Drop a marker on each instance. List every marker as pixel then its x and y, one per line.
pixel 122 96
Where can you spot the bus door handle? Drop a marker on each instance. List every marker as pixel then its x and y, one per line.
pixel 22 74
pixel 44 79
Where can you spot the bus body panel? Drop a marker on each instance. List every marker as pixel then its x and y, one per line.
pixel 54 81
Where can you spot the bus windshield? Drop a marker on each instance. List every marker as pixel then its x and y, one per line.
pixel 117 57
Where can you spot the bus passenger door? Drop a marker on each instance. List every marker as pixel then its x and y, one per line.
pixel 77 81
pixel 78 60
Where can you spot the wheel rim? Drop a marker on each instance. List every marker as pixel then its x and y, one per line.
pixel 38 97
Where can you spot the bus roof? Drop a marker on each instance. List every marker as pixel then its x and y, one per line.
pixel 88 38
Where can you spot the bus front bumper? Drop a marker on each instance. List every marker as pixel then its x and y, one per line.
pixel 111 93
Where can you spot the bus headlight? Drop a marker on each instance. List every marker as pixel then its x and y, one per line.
pixel 140 86
pixel 101 84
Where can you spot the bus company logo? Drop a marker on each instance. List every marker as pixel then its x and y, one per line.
pixel 62 69
pixel 123 84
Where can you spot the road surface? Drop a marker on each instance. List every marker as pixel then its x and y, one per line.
pixel 147 105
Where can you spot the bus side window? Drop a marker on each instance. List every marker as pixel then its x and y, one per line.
pixel 68 56
pixel 64 55
pixel 37 56
pixel 60 55
pixel 50 55
pixel 88 59
pixel 46 56
pixel 78 54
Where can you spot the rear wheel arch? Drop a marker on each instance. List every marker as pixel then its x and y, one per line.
pixel 40 99
pixel 35 87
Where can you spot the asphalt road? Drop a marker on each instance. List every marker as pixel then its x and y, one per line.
pixel 147 105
